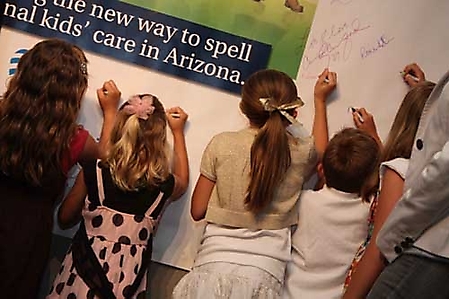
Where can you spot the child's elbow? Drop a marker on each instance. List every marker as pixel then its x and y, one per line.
pixel 66 222
pixel 196 214
pixel 180 189
pixel 183 188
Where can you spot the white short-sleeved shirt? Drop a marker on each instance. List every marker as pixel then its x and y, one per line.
pixel 398 165
pixel 331 227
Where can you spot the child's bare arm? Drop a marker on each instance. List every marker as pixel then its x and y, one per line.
pixel 108 97
pixel 200 197
pixel 372 262
pixel 326 83
pixel 177 118
pixel 368 125
pixel 69 212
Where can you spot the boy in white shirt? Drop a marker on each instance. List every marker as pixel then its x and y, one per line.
pixel 332 221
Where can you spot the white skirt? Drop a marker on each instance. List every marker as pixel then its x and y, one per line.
pixel 227 280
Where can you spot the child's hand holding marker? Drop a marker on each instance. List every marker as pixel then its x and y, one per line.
pixel 357 114
pixel 176 118
pixel 365 122
pixel 413 74
pixel 404 74
pixel 326 83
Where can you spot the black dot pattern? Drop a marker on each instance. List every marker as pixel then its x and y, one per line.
pixel 143 234
pixel 106 267
pixel 139 218
pixel 117 219
pixel 117 247
pixel 124 240
pixel 113 236
pixel 90 294
pixel 97 221
pixel 72 267
pixel 126 291
pixel 71 279
pixel 59 288
pixel 91 207
pixel 102 254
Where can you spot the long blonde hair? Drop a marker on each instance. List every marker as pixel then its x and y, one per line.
pixel 270 151
pixel 39 109
pixel 403 130
pixel 138 155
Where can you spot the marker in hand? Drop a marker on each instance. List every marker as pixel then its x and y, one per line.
pixel 403 74
pixel 359 116
pixel 175 115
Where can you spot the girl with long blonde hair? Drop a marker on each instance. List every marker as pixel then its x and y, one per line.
pixel 127 193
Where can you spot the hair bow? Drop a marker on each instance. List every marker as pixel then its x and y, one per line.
pixel 140 105
pixel 267 106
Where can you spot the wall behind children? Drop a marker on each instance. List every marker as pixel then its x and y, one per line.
pixel 366 42
pixel 211 109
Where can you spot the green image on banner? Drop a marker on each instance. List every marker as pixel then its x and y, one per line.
pixel 266 21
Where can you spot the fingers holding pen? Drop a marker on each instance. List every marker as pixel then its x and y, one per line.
pixel 331 78
pixel 176 118
pixel 357 117
pixel 325 84
pixel 413 74
pixel 364 121
pixel 109 96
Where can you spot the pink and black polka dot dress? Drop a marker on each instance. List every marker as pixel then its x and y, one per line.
pixel 119 227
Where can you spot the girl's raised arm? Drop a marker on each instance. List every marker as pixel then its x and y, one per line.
pixel 326 83
pixel 177 118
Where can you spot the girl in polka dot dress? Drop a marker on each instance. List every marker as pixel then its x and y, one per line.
pixel 126 196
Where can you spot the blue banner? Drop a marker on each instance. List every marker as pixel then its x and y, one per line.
pixel 2 7
pixel 143 37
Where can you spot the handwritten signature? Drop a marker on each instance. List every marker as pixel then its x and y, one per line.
pixel 334 43
pixel 381 43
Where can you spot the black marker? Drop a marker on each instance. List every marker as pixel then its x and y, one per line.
pixel 358 114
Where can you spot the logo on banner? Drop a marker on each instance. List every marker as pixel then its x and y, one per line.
pixel 14 60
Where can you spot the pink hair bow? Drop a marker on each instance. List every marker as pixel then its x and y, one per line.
pixel 141 106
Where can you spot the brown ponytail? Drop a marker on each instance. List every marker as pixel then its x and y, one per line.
pixel 270 151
